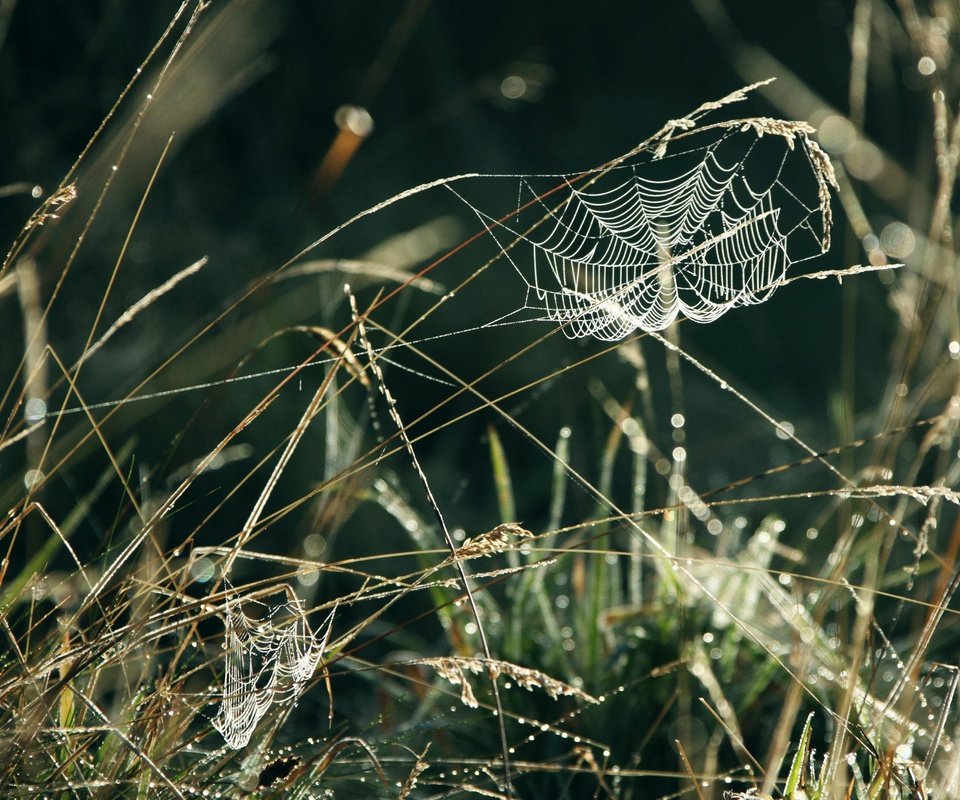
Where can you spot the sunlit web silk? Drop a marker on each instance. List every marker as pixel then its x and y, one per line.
pixel 690 235
pixel 264 663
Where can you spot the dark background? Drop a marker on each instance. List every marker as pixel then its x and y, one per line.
pixel 252 104
pixel 266 79
pixel 236 187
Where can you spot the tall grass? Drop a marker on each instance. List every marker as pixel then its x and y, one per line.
pixel 527 567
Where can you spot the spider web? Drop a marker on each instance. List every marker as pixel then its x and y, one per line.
pixel 264 663
pixel 653 237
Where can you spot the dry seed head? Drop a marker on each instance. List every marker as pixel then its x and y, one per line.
pixel 456 671
pixel 496 541
pixel 62 197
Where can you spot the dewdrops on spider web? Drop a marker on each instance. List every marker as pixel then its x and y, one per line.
pixel 265 662
pixel 674 229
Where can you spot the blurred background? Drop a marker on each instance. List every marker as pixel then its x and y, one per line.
pixel 260 164
pixel 280 120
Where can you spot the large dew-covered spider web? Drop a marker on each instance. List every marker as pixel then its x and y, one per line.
pixel 692 223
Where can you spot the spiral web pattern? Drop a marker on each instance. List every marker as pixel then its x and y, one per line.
pixel 622 250
pixel 264 664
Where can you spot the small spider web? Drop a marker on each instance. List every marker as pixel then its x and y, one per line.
pixel 264 663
